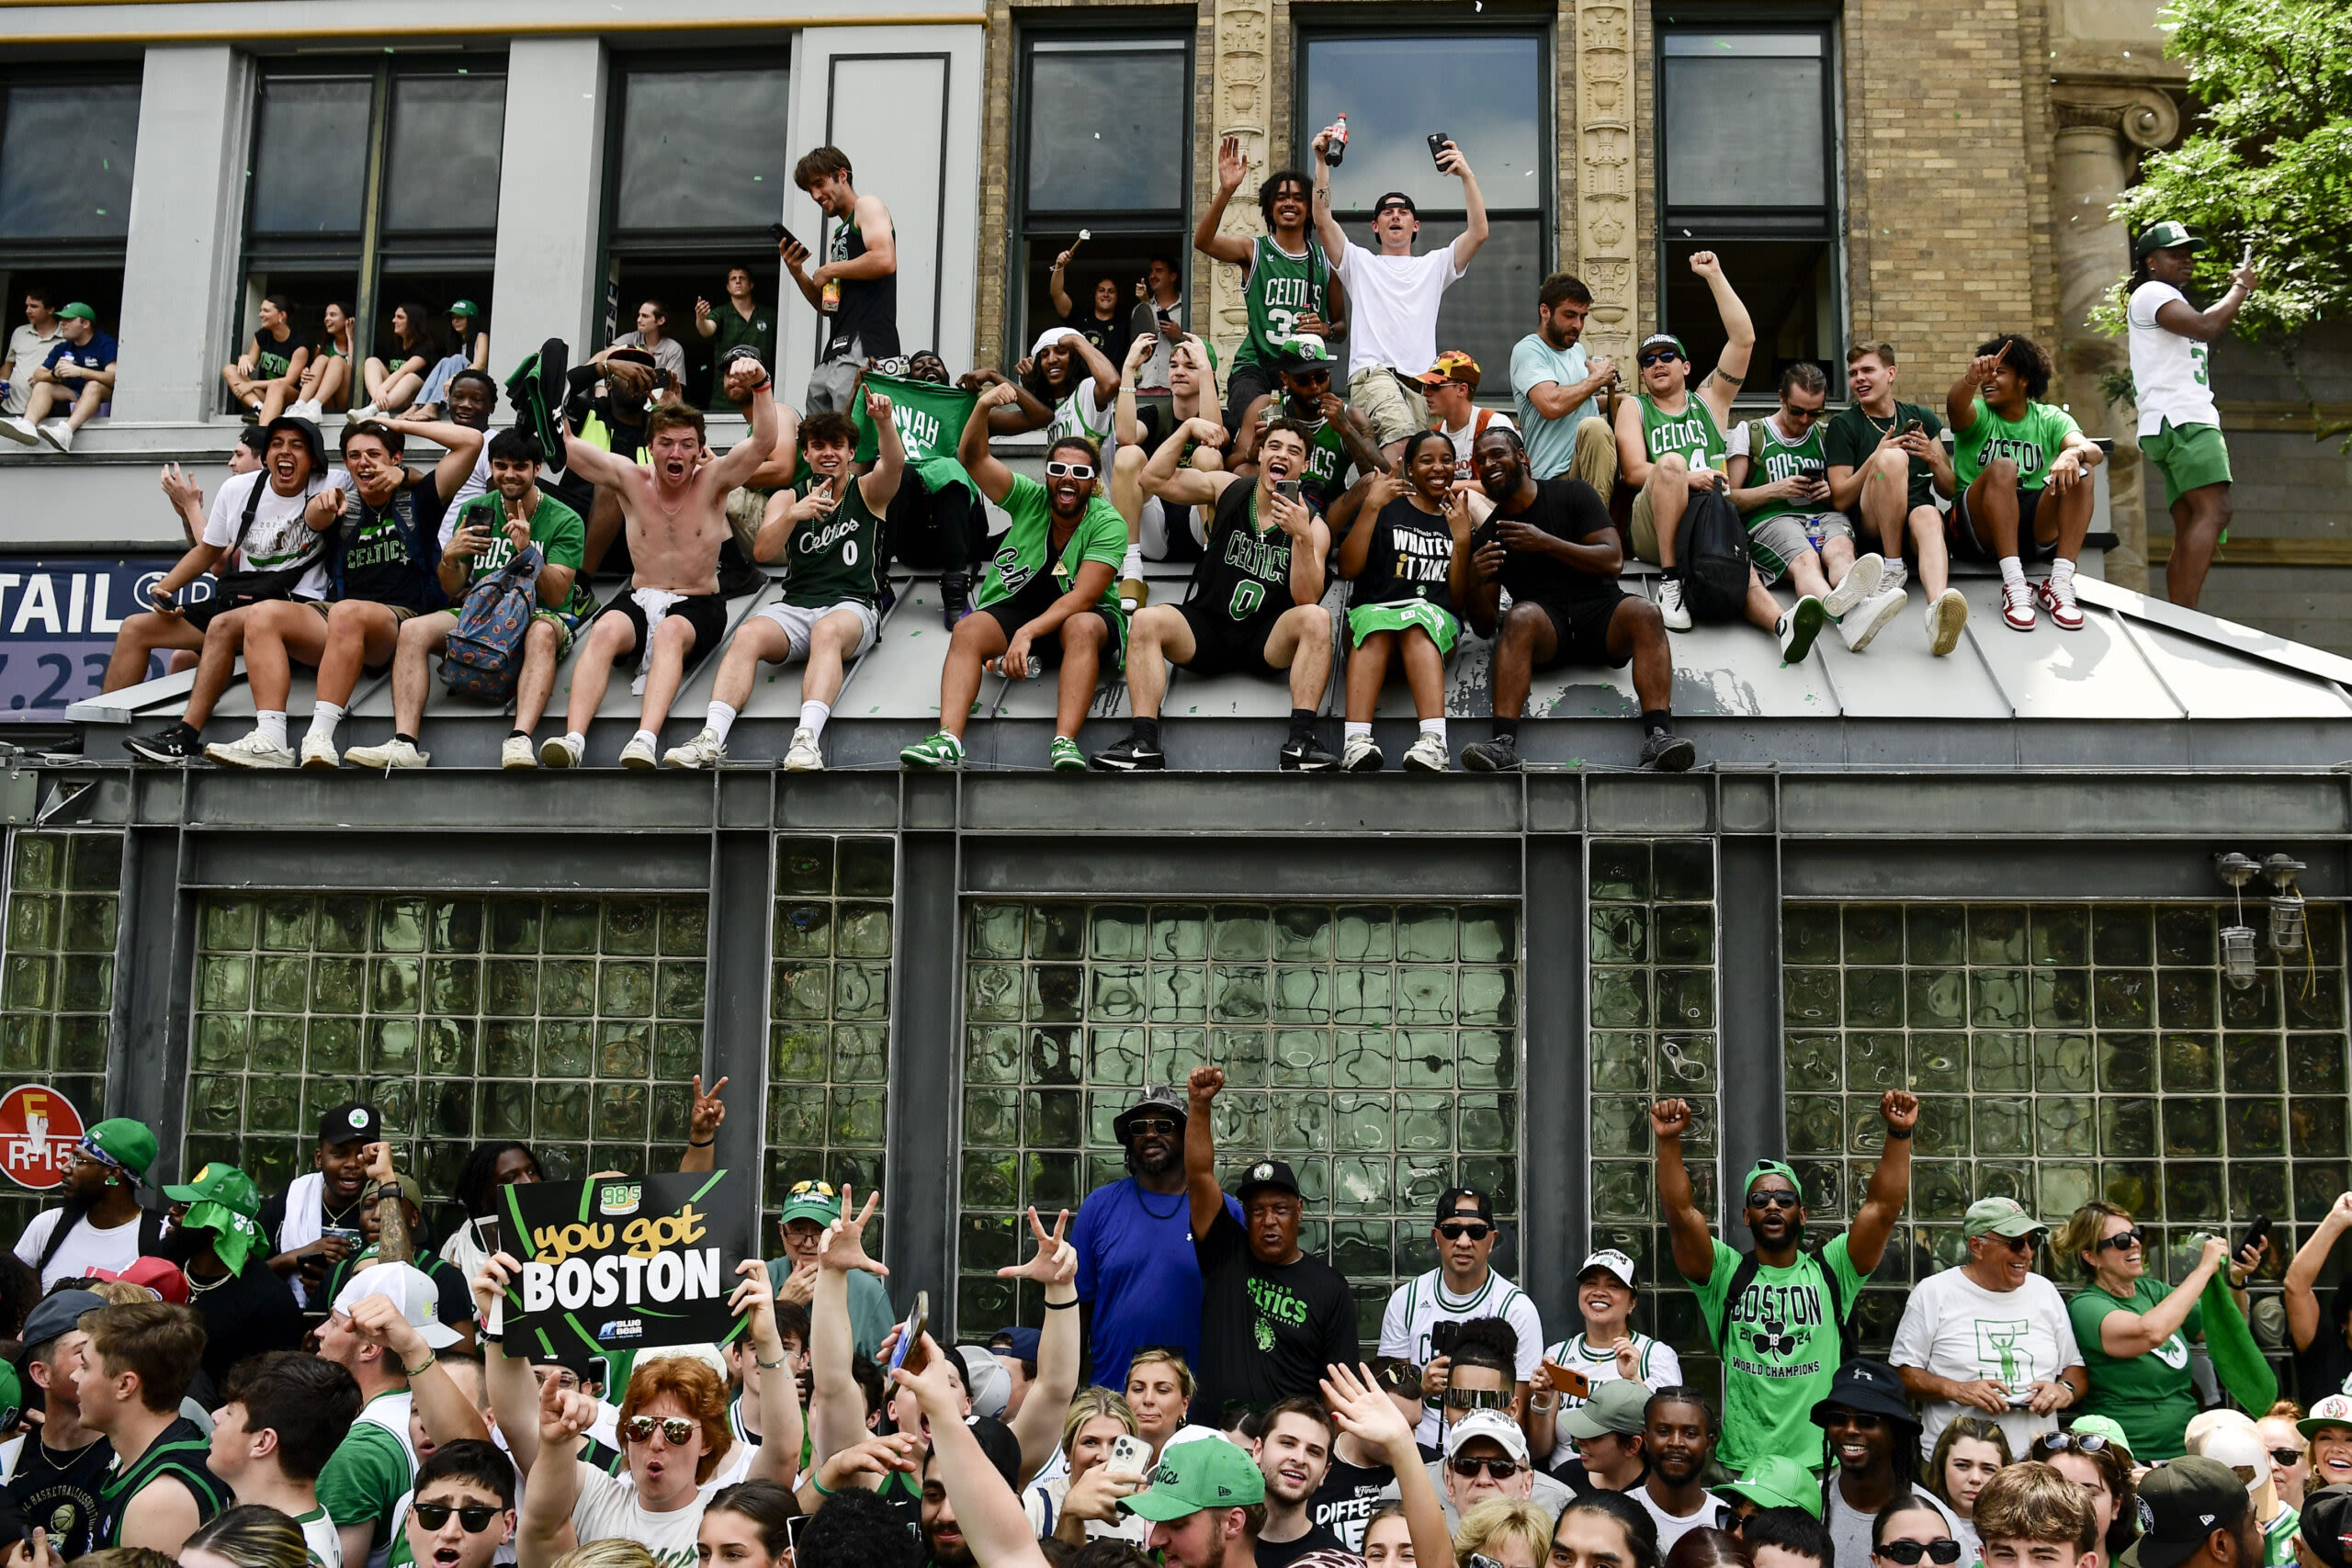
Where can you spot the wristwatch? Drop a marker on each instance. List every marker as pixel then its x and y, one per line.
pixel 388 1190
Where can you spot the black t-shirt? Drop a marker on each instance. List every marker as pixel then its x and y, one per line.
pixel 1411 553
pixel 1282 1554
pixel 1267 1330
pixel 2324 1368
pixel 1111 336
pixel 1566 509
pixel 59 1491
pixel 246 1314
pixel 1348 1498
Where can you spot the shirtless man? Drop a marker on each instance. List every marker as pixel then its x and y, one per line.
pixel 674 612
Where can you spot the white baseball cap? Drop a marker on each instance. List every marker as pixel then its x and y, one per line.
pixel 703 1351
pixel 408 1287
pixel 2242 1450
pixel 985 1377
pixel 1616 1262
pixel 1489 1423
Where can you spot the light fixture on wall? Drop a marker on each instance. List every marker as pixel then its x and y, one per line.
pixel 2286 903
pixel 2237 941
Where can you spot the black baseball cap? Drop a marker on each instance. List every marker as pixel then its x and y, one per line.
pixel 1394 198
pixel 350 1123
pixel 2182 1502
pixel 1272 1173
pixel 2326 1526
pixel 302 427
pixel 1452 1196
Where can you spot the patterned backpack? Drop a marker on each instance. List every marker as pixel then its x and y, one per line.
pixel 484 654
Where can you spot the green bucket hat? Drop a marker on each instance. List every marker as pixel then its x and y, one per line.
pixel 1209 1472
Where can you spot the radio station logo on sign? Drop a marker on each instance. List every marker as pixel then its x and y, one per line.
pixel 40 1130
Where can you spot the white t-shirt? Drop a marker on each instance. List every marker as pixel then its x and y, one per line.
pixel 1712 1514
pixel 1849 1527
pixel 1392 307
pixel 1418 1306
pixel 2169 376
pixel 28 352
pixel 476 482
pixel 1956 1329
pixel 85 1247
pixel 1660 1368
pixel 1466 435
pixel 1083 412
pixel 608 1510
pixel 278 536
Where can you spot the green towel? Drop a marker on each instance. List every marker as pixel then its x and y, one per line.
pixel 2237 1360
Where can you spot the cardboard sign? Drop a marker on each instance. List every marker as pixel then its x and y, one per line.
pixel 621 1264
pixel 38 1131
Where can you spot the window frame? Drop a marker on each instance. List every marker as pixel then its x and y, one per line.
pixel 31 254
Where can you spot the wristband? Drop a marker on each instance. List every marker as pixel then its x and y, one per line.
pixel 1061 1306
pixel 822 1490
pixel 1901 1134
pixel 430 1356
pixel 388 1190
pixel 769 1366
pixel 702 1142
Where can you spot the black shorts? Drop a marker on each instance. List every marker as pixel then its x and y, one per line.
pixel 1580 631
pixel 1033 601
pixel 1222 644
pixel 1245 386
pixel 705 613
pixel 203 612
pixel 1970 540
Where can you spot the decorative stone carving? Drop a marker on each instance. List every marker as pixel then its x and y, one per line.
pixel 1605 225
pixel 1239 107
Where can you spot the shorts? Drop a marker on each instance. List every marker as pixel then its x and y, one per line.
pixel 705 613
pixel 1247 385
pixel 401 613
pixel 1641 526
pixel 1014 614
pixel 1775 542
pixel 1366 619
pixel 1581 630
pixel 2190 457
pixel 1971 543
pixel 1223 646
pixel 1382 400
pixel 829 384
pixel 202 613
pixel 936 530
pixel 799 620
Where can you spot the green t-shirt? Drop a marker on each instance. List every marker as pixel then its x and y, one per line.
pixel 2149 1396
pixel 1027 548
pixel 2029 443
pixel 1280 288
pixel 1771 460
pixel 1781 1354
pixel 1693 435
pixel 732 330
pixel 870 1315
pixel 366 1478
pixel 556 529
pixel 1852 435
pixel 931 420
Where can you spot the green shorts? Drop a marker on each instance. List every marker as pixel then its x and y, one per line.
pixel 2190 457
pixel 1366 619
pixel 564 626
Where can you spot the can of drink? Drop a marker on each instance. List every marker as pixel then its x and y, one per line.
pixel 1337 151
pixel 832 295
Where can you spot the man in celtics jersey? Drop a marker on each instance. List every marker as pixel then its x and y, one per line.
pixel 829 534
pixel 134 1373
pixel 1671 438
pixel 1288 283
pixel 2024 472
pixel 1463 1285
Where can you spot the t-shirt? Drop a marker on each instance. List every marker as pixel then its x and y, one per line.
pixel 370 1471
pixel 1111 336
pixel 669 355
pixel 1551 443
pixel 1956 1329
pixel 2150 1395
pixel 732 329
pixel 2030 441
pixel 1852 435
pixel 556 529
pixel 278 537
pixel 1026 547
pixel 1266 1329
pixel 608 1510
pixel 870 1317
pixel 1348 1498
pixel 1282 1554
pixel 1712 1513
pixel 1566 509
pixel 322 1542
pixel 96 355
pixel 1658 1365
pixel 59 1491
pixel 1466 435
pixel 931 420
pixel 1138 1273
pixel 2170 380
pixel 1779 459
pixel 1410 555
pixel 1419 1304
pixel 1849 1527
pixel 178 1451
pixel 27 348
pixel 246 1314
pixel 85 1246
pixel 1782 1353
pixel 1392 307
pixel 272 358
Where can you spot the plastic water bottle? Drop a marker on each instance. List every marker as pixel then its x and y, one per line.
pixel 1336 152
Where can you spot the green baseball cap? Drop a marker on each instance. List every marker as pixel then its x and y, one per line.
pixel 2101 1426
pixel 1619 1406
pixel 463 308
pixel 1777 1481
pixel 1208 1473
pixel 221 1184
pixel 2165 236
pixel 818 1201
pixel 2000 1216
pixel 1764 1167
pixel 119 1141
pixel 77 312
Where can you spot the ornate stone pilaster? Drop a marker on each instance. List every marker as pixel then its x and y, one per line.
pixel 1607 254
pixel 1242 106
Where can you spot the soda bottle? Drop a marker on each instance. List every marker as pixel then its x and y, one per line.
pixel 1336 152
pixel 832 296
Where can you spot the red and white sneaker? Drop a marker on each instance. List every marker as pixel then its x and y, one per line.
pixel 2058 598
pixel 2017 605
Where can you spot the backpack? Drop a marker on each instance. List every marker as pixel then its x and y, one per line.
pixel 1713 543
pixel 1849 1345
pixel 483 656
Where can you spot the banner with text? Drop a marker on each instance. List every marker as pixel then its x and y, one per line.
pixel 618 1264
pixel 57 618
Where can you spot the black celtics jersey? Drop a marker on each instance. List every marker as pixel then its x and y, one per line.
pixel 178 1451
pixel 1244 573
pixel 836 556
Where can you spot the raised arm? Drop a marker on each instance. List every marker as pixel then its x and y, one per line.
pixel 777 1458
pixel 1686 1227
pixel 1327 227
pixel 1361 1409
pixel 1310 549
pixel 1739 335
pixel 443 1408
pixel 1890 1183
pixel 743 460
pixel 972 450
pixel 543 1531
pixel 1466 244
pixel 1098 366
pixel 1055 1270
pixel 2304 1321
pixel 1126 424
pixel 1057 289
pixel 1201 1190
pixel 2123 1334
pixel 513 1393
pixel 2208 324
pixel 1368 497
pixel 708 1112
pixel 1232 168
pixel 881 481
pixel 1960 403
pixel 836 1407
pixel 1355 437
pixel 994 1521
pixel 1176 482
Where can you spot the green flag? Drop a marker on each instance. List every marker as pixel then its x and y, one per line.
pixel 930 417
pixel 2238 1362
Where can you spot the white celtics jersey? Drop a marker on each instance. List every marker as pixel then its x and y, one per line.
pixel 1420 1305
pixel 1659 1367
pixel 2169 374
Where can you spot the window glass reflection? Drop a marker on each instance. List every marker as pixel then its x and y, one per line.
pixel 1481 91
pixel 694 152
pixel 1107 126
pixel 447 133
pixel 1744 120
pixel 310 174
pixel 65 156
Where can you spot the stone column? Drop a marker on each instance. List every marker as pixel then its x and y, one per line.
pixel 1607 254
pixel 1242 105
pixel 2101 131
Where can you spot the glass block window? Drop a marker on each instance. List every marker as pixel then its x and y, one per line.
pixel 57 977
pixel 1653 1012
pixel 1375 1047
pixel 573 1024
pixel 2063 1052
pixel 829 1030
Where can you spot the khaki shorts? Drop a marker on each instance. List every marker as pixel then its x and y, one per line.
pixel 1384 403
pixel 1642 528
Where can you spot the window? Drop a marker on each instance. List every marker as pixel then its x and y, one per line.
pixel 66 144
pixel 1485 90
pixel 698 181
pixel 373 189
pixel 1107 136
pixel 1748 169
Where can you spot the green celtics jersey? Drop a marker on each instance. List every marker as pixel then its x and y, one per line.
pixel 1280 289
pixel 1327 464
pixel 835 555
pixel 1691 436
pixel 178 1451
pixel 2029 441
pixel 1771 460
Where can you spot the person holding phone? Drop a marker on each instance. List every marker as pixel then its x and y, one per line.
pixel 1886 464
pixel 1608 1349
pixel 1465 1285
pixel 2023 470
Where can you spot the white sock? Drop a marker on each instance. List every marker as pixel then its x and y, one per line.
pixel 1133 565
pixel 647 735
pixel 720 721
pixel 324 716
pixel 813 717
pixel 577 742
pixel 2012 570
pixel 1433 726
pixel 1350 730
pixel 272 725
pixel 2061 570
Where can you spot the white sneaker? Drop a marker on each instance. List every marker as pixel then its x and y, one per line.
pixel 1860 582
pixel 393 753
pixel 1427 754
pixel 704 750
pixel 1946 616
pixel 252 750
pixel 365 410
pixel 20 431
pixel 2017 605
pixel 1896 575
pixel 516 752
pixel 318 751
pixel 1360 755
pixel 557 752
pixel 1670 604
pixel 806 756
pixel 639 754
pixel 57 433
pixel 308 408
pixel 1870 618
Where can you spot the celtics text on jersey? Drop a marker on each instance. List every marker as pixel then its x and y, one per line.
pixel 835 555
pixel 1281 288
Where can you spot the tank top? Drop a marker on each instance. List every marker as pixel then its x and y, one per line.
pixel 388 554
pixel 1281 288
pixel 869 315
pixel 1244 575
pixel 178 1451
pixel 835 557
pixel 1691 436
pixel 1411 550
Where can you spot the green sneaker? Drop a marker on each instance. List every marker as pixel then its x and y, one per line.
pixel 1065 755
pixel 941 750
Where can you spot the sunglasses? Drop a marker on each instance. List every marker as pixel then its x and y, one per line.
pixel 1497 1469
pixel 1070 470
pixel 675 1429
pixel 1477 1230
pixel 1477 1399
pixel 1908 1553
pixel 2081 1442
pixel 1806 415
pixel 2122 1241
pixel 474 1517
pixel 813 1189
pixel 2286 1459
pixel 1656 356
pixel 1144 1126
pixel 1774 1199
pixel 2025 1243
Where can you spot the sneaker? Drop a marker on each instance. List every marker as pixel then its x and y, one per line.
pixel 1361 755
pixel 1666 753
pixel 252 750
pixel 1896 575
pixel 177 744
pixel 2058 598
pixel 393 753
pixel 557 752
pixel 1131 755
pixel 1306 755
pixel 307 408
pixel 57 433
pixel 318 751
pixel 1870 618
pixel 639 754
pixel 252 414
pixel 938 750
pixel 2017 605
pixel 1946 616
pixel 1064 756
pixel 515 752
pixel 20 431
pixel 804 755
pixel 1797 629
pixel 1134 594
pixel 365 410
pixel 1860 582
pixel 954 597
pixel 1500 755
pixel 704 750
pixel 1670 604
pixel 1427 755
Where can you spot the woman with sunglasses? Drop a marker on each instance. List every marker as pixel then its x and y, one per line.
pixel 1907 1533
pixel 2133 1333
pixel 1970 1451
pixel 2100 1463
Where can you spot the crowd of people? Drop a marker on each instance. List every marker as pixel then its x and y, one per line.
pixel 1344 500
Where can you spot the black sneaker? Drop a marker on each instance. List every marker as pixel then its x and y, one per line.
pixel 1666 753
pixel 954 597
pixel 1129 756
pixel 177 744
pixel 1500 755
pixel 1304 754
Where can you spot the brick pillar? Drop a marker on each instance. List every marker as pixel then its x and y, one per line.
pixel 1241 104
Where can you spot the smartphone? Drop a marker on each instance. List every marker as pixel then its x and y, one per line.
pixel 1286 489
pixel 2253 1233
pixel 793 1527
pixel 1567 1380
pixel 1129 1453
pixel 1443 1336
pixel 1438 138
pixel 784 235
pixel 1814 473
pixel 1914 428
pixel 918 1323
pixel 2247 260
